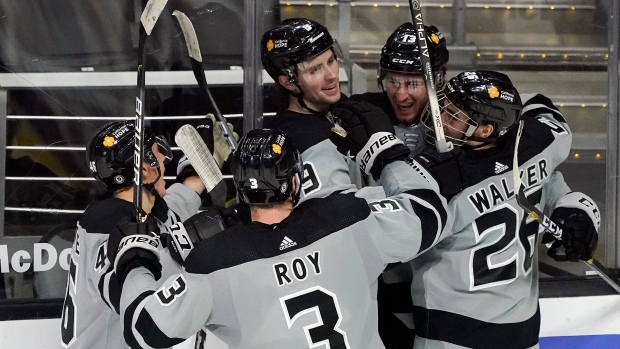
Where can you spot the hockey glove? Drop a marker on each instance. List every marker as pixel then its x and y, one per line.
pixel 412 136
pixel 444 168
pixel 580 219
pixel 221 150
pixel 184 236
pixel 133 245
pixel 368 138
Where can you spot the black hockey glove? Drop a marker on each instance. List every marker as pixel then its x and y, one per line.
pixel 444 168
pixel 132 245
pixel 184 236
pixel 579 217
pixel 205 130
pixel 369 137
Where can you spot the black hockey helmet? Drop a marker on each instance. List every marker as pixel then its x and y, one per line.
pixel 291 42
pixel 264 167
pixel 110 153
pixel 485 97
pixel 401 52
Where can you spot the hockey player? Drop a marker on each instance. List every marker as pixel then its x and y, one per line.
pixel 90 317
pixel 403 97
pixel 296 277
pixel 478 288
pixel 400 77
pixel 302 58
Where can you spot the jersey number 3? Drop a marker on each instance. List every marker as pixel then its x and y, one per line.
pixel 325 306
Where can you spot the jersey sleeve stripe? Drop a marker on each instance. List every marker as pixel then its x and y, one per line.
pixel 147 334
pixel 110 290
pixel 432 214
pixel 156 338
pixel 539 104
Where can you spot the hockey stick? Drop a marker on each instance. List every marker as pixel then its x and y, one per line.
pixel 546 222
pixel 440 138
pixel 149 17
pixel 193 48
pixel 196 150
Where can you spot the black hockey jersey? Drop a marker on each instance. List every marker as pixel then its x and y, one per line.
pixel 308 281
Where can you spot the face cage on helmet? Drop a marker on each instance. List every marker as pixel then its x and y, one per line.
pixel 458 117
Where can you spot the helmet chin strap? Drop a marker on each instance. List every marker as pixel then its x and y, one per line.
pixel 150 187
pixel 302 103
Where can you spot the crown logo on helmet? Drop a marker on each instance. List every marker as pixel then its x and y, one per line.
pixel 270 45
pixel 276 148
pixel 435 38
pixel 493 92
pixel 108 141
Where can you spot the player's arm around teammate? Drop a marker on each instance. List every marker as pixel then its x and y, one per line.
pixel 389 230
pixel 91 304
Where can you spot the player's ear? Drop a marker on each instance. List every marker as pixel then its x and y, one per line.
pixel 484 131
pixel 293 184
pixel 284 81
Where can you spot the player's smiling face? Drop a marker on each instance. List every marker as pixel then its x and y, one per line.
pixel 407 94
pixel 319 81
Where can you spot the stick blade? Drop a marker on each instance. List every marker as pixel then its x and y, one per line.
pixel 189 33
pixel 151 13
pixel 202 160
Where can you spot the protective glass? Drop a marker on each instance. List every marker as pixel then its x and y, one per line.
pixel 411 84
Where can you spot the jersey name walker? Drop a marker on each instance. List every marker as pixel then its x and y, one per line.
pixel 478 288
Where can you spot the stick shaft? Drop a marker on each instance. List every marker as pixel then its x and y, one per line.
pixel 148 18
pixel 193 48
pixel 427 69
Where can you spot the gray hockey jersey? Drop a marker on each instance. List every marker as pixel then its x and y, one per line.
pixel 308 281
pixel 478 288
pixel 326 171
pixel 90 316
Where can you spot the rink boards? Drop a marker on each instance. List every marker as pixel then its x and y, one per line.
pixel 575 323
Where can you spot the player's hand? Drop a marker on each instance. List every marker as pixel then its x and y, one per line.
pixel 444 168
pixel 368 136
pixel 221 149
pixel 132 245
pixel 579 217
pixel 412 136
pixel 183 237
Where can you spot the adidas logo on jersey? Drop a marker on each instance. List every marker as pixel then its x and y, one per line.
pixel 499 168
pixel 286 243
